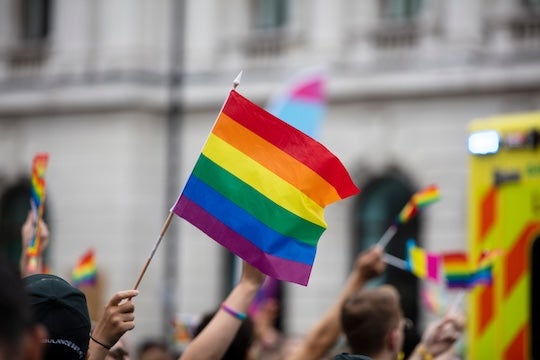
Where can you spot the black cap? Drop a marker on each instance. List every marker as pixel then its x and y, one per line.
pixel 62 309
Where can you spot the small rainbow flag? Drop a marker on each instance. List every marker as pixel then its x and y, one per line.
pixel 419 200
pixel 423 264
pixel 37 198
pixel 259 188
pixel 85 271
pixel 460 273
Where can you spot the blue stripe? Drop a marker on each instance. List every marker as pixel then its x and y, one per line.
pixel 234 217
pixel 305 116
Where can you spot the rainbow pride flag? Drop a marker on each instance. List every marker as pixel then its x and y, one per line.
pixel 419 200
pixel 423 264
pixel 459 272
pixel 259 188
pixel 303 102
pixel 85 271
pixel 37 198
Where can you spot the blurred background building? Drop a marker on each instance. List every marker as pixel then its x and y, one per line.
pixel 122 94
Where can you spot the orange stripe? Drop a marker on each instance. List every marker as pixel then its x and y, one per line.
pixel 276 160
pixel 485 307
pixel 517 348
pixel 517 259
pixel 487 213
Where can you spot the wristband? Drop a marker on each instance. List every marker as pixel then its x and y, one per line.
pixel 239 315
pixel 100 343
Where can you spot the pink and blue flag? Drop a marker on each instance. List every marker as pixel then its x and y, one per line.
pixel 302 103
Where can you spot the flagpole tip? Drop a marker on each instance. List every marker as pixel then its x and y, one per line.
pixel 236 81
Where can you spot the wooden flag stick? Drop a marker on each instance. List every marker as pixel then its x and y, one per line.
pixel 161 234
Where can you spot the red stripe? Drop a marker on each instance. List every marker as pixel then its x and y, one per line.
pixel 292 141
pixel 486 307
pixel 487 213
pixel 517 259
pixel 517 348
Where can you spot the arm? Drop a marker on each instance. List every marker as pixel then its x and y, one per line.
pixel 439 337
pixel 118 318
pixel 216 337
pixel 325 333
pixel 27 233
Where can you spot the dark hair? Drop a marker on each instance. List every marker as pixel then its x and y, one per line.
pixel 241 343
pixel 149 344
pixel 367 318
pixel 15 311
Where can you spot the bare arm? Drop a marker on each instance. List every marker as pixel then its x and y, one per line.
pixel 325 333
pixel 215 338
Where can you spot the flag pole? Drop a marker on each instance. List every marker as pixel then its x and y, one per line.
pixel 161 234
pixel 395 261
pixel 165 226
pixel 387 236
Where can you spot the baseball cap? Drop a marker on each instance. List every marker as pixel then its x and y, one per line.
pixel 62 309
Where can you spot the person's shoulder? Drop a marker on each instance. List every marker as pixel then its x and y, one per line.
pixel 345 356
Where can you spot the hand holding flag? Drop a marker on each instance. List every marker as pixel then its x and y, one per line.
pixel 37 200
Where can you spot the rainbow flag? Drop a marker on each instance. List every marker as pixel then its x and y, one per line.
pixel 423 264
pixel 37 198
pixel 418 201
pixel 303 103
pixel 259 188
pixel 85 271
pixel 460 273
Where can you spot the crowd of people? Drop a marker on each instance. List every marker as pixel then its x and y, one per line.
pixel 44 317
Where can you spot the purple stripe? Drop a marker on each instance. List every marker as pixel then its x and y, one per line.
pixel 271 265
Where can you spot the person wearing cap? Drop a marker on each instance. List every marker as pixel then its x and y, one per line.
pixel 62 309
pixel 374 325
pixel 20 337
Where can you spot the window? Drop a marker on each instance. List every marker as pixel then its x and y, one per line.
pixel 400 9
pixel 532 6
pixel 34 20
pixel 376 207
pixel 268 14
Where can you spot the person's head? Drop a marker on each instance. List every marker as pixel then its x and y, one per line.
pixel 20 338
pixel 62 309
pixel 373 321
pixel 241 343
pixel 153 349
pixel 118 351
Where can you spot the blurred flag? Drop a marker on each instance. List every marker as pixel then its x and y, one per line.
pixel 302 103
pixel 85 271
pixel 259 188
pixel 418 201
pixel 423 264
pixel 37 198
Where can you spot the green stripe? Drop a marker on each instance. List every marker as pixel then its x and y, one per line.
pixel 252 201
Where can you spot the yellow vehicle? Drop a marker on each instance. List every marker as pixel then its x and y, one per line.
pixel 504 213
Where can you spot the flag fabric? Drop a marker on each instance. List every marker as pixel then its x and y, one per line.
pixel 303 102
pixel 85 271
pixel 259 188
pixel 419 200
pixel 459 272
pixel 423 264
pixel 37 197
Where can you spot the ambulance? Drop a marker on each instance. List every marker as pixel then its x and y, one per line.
pixel 503 319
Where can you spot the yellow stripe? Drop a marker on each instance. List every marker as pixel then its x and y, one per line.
pixel 263 180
